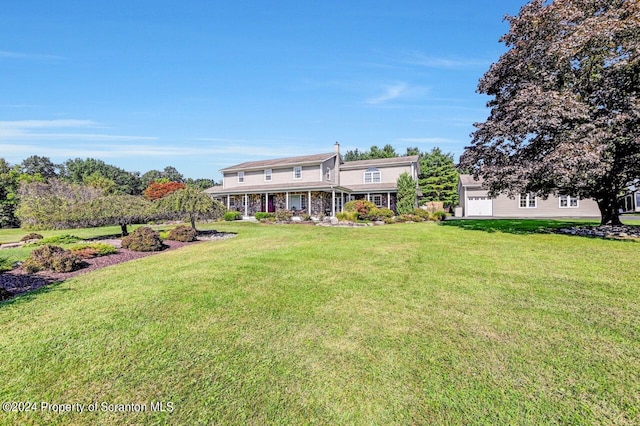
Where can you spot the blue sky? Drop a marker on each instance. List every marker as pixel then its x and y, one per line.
pixel 201 85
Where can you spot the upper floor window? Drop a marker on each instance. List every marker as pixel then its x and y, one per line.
pixel 372 175
pixel 327 174
pixel 267 175
pixel 240 177
pixel 567 202
pixel 528 201
pixel 297 172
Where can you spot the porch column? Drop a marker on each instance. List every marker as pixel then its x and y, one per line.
pixel 389 200
pixel 342 202
pixel 286 201
pixel 333 202
pixel 228 201
pixel 309 199
pixel 368 197
pixel 246 205
pixel 266 202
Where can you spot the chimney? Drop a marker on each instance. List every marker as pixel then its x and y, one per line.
pixel 336 147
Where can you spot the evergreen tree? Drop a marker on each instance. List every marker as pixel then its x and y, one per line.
pixel 406 194
pixel 438 178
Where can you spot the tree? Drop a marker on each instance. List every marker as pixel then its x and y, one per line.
pixel 78 170
pixel 117 209
pixel 565 107
pixel 438 177
pixel 192 204
pixel 39 165
pixel 200 184
pixel 52 204
pixel 8 195
pixel 157 190
pixel 374 152
pixel 406 194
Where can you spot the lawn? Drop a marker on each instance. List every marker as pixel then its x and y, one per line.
pixel 400 324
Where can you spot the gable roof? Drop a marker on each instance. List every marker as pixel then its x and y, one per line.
pixel 380 162
pixel 469 181
pixel 280 162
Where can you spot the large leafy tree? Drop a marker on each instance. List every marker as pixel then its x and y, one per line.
pixel 565 107
pixel 116 209
pixel 36 165
pixel 374 152
pixel 438 177
pixel 79 171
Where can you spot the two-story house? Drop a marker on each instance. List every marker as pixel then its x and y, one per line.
pixel 313 184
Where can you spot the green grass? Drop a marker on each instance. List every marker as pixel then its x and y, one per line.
pixel 401 324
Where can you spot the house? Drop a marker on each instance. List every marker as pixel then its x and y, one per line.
pixel 318 184
pixel 630 202
pixel 475 202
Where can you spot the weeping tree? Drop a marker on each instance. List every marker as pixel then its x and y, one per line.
pixel 118 209
pixel 565 105
pixel 192 204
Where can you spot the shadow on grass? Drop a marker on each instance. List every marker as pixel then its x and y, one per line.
pixel 516 226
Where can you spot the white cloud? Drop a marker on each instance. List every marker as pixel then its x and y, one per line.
pixel 442 141
pixel 31 56
pixel 420 59
pixel 390 93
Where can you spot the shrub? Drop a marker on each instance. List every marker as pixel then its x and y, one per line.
pixel 362 207
pixel 305 216
pixel 380 214
pixel 422 213
pixel 51 257
pixel 32 236
pixel 5 294
pixel 232 215
pixel 143 239
pixel 347 216
pixel 59 239
pixel 90 250
pixel 283 215
pixel 439 215
pixel 183 233
pixel 263 215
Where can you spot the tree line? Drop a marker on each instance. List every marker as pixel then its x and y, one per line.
pixel 77 181
pixel 437 174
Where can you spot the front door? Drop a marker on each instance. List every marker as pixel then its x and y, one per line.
pixel 268 206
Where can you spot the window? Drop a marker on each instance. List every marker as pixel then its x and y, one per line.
pixel 327 174
pixel 377 200
pixel 528 201
pixel 297 172
pixel 297 202
pixel 267 175
pixel 240 177
pixel 568 202
pixel 372 175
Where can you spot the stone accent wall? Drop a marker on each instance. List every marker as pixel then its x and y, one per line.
pixel 255 204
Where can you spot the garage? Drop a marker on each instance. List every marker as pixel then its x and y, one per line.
pixel 479 206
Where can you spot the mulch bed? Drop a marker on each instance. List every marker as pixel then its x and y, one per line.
pixel 18 281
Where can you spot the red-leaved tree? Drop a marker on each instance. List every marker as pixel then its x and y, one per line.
pixel 157 190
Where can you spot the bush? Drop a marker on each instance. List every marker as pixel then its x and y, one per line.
pixel 59 239
pixel 361 207
pixel 5 294
pixel 305 216
pixel 53 258
pixel 183 233
pixel 32 236
pixel 422 213
pixel 380 214
pixel 283 215
pixel 90 250
pixel 232 215
pixel 143 239
pixel 439 215
pixel 263 215
pixel 347 216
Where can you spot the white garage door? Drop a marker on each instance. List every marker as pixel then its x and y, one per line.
pixel 479 206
